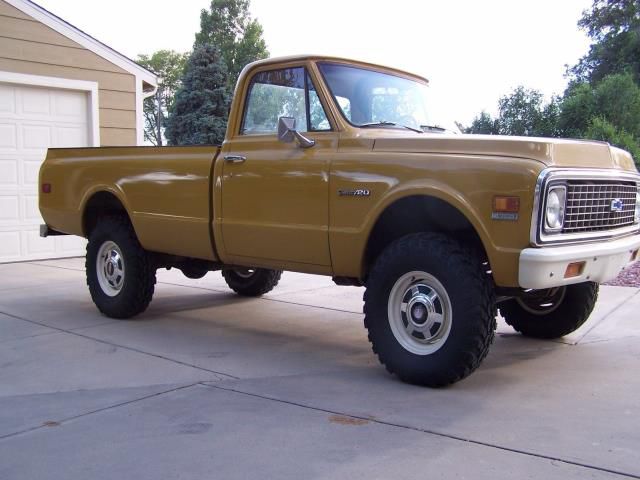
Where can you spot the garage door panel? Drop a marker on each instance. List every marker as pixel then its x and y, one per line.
pixel 8 172
pixel 9 209
pixel 7 99
pixel 34 101
pixel 30 172
pixel 70 106
pixel 30 210
pixel 35 136
pixel 9 246
pixel 8 136
pixel 33 245
pixel 70 136
pixel 33 119
pixel 71 245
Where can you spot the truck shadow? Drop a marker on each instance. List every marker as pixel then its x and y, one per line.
pixel 317 331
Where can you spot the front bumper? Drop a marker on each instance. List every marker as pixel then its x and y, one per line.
pixel 545 267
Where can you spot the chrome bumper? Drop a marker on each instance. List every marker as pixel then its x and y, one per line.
pixel 545 267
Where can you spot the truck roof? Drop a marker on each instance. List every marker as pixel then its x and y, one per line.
pixel 328 58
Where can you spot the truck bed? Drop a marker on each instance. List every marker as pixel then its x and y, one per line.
pixel 166 191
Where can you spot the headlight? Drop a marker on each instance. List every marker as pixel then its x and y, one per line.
pixel 636 218
pixel 554 211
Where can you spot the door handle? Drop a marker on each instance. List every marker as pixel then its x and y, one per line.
pixel 234 158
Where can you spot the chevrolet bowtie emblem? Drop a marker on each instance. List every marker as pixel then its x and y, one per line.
pixel 616 205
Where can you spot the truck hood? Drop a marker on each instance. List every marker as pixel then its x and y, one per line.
pixel 549 151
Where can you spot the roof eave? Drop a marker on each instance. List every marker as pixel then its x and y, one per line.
pixel 65 28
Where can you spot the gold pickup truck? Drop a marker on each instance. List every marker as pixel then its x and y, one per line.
pixel 333 167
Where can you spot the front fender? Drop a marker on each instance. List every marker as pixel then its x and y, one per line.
pixel 467 183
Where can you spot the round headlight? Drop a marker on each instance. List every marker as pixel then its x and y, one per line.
pixel 636 219
pixel 554 214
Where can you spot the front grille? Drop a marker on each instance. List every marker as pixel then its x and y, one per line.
pixel 589 205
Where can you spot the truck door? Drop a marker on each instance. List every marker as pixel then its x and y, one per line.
pixel 275 195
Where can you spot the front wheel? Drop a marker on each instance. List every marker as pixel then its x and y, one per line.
pixel 251 282
pixel 119 275
pixel 429 310
pixel 551 313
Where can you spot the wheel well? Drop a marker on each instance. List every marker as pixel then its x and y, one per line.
pixel 100 203
pixel 417 214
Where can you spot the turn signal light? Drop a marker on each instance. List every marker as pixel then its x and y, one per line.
pixel 574 269
pixel 46 188
pixel 506 204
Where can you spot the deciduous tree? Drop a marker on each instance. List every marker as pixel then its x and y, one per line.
pixel 522 112
pixel 484 124
pixel 228 25
pixel 614 26
pixel 169 66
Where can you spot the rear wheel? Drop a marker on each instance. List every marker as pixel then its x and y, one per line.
pixel 551 313
pixel 429 309
pixel 119 275
pixel 251 282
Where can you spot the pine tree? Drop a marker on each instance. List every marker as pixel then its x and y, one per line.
pixel 199 113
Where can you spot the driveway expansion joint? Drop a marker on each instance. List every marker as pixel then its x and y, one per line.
pixel 428 432
pixel 61 422
pixel 605 316
pixel 99 340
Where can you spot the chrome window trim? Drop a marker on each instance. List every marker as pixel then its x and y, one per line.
pixel 538 238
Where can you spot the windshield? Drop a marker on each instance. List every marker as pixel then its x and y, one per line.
pixel 372 98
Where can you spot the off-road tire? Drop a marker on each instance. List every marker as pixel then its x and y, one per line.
pixel 260 282
pixel 569 315
pixel 139 280
pixel 473 308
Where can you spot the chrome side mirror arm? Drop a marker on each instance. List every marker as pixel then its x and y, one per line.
pixel 287 133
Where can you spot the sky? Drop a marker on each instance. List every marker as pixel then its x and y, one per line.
pixel 472 52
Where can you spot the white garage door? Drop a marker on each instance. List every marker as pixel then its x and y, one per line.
pixel 32 119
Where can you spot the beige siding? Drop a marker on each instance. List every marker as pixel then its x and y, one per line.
pixel 106 80
pixel 54 54
pixel 118 100
pixel 117 118
pixel 12 27
pixel 10 11
pixel 30 47
pixel 117 136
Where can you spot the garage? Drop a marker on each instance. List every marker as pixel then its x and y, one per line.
pixel 59 87
pixel 31 120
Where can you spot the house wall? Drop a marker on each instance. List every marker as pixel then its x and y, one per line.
pixel 30 47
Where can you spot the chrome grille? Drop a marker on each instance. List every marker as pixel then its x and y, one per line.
pixel 589 205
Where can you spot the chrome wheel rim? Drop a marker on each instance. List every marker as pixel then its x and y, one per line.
pixel 542 302
pixel 244 272
pixel 420 313
pixel 110 268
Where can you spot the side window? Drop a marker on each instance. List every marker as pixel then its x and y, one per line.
pixel 318 120
pixel 345 105
pixel 282 93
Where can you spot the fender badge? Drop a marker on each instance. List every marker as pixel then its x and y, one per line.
pixel 504 216
pixel 360 192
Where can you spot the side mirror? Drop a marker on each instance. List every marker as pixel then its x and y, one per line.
pixel 287 133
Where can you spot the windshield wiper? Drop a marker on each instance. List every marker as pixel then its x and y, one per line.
pixel 435 128
pixel 389 124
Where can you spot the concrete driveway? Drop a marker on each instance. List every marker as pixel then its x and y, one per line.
pixel 206 384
